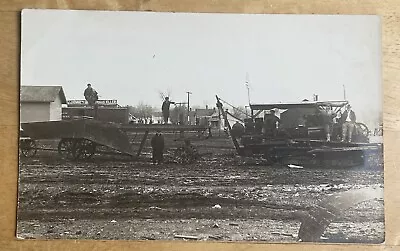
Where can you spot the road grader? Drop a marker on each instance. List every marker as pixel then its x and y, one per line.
pixel 82 138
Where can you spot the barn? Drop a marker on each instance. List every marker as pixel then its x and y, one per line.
pixel 41 103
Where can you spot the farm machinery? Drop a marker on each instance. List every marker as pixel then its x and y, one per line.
pixel 80 139
pixel 300 139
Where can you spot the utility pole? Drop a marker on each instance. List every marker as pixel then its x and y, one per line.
pixel 344 92
pixel 247 113
pixel 188 108
pixel 247 86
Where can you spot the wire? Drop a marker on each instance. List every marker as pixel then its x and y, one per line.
pixel 235 108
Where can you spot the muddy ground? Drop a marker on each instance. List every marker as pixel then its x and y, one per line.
pixel 222 197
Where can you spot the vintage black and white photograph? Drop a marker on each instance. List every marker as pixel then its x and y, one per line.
pixel 200 127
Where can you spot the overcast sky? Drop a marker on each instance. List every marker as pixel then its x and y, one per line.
pixel 132 56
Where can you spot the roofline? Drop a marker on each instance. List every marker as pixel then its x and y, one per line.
pixel 333 103
pixel 62 96
pixel 61 93
pixel 35 101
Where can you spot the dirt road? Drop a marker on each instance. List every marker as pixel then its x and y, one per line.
pixel 222 197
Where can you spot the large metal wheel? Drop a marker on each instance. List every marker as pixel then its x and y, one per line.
pixel 85 149
pixel 362 129
pixel 67 148
pixel 28 148
pixel 271 156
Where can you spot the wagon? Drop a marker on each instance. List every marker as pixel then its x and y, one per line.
pixel 82 138
pixel 27 146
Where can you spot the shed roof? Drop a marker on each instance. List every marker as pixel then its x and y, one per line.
pixel 308 104
pixel 42 94
pixel 204 112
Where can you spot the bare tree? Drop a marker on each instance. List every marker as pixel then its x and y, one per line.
pixel 194 107
pixel 239 112
pixel 142 111
pixel 164 94
pixel 179 114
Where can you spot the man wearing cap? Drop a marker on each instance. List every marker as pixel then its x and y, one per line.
pixel 165 109
pixel 271 122
pixel 157 143
pixel 348 121
pixel 90 95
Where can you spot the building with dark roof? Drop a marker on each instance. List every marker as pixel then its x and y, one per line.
pixel 207 117
pixel 41 103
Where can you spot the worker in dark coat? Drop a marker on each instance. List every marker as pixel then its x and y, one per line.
pixel 348 121
pixel 165 109
pixel 271 122
pixel 90 95
pixel 157 143
pixel 237 130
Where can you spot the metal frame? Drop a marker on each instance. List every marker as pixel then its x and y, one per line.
pixel 111 135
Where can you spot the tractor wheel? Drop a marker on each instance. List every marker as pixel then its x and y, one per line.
pixel 28 148
pixel 362 129
pixel 361 133
pixel 67 148
pixel 85 149
pixel 271 157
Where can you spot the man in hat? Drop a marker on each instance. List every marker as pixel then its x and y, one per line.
pixel 165 109
pixel 90 95
pixel 157 143
pixel 348 121
pixel 271 122
pixel 237 130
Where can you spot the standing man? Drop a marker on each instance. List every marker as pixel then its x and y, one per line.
pixel 348 121
pixel 165 109
pixel 237 130
pixel 271 122
pixel 157 143
pixel 90 95
pixel 327 119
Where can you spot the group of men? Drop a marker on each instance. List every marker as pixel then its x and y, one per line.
pixel 92 97
pixel 157 142
pixel 347 121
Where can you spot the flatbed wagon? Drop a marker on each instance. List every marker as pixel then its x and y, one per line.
pixel 82 138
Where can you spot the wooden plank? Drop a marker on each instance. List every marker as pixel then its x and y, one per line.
pixel 142 143
pixel 161 128
pixel 224 115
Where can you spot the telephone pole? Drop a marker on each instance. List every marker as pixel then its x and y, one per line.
pixel 188 108
pixel 344 92
pixel 247 86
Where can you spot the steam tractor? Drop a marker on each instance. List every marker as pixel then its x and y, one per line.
pixel 300 138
